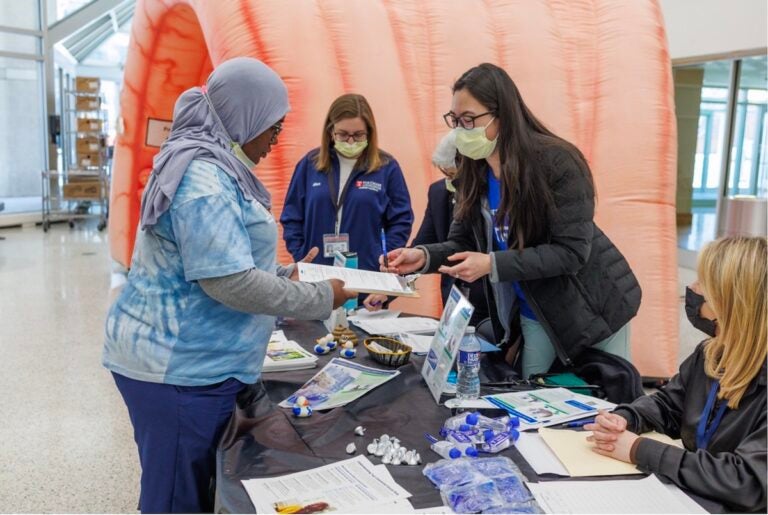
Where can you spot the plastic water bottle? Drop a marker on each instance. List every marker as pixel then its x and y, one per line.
pixel 468 383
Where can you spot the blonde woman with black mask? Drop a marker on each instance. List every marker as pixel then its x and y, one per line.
pixel 717 402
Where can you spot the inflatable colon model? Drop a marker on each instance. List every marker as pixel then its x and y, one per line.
pixel 597 72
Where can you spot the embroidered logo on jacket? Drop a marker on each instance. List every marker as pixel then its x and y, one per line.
pixel 368 185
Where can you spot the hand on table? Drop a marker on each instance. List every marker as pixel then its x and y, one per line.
pixel 374 302
pixel 473 266
pixel 311 255
pixel 610 436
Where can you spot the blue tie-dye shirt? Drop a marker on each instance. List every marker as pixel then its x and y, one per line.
pixel 163 328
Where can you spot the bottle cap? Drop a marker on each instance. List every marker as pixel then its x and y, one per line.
pixel 471 452
pixel 472 419
pixel 454 453
pixel 515 434
pixel 463 428
pixel 488 434
pixel 514 422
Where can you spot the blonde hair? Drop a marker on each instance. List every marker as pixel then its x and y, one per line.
pixel 346 106
pixel 732 274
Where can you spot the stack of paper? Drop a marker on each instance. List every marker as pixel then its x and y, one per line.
pixel 363 314
pixel 284 354
pixel 647 495
pixel 347 486
pixel 390 326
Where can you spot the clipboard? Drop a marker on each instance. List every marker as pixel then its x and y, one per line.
pixel 362 281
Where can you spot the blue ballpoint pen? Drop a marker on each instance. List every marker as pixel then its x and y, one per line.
pixel 384 247
pixel 579 423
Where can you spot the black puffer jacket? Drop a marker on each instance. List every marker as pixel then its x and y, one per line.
pixel 575 279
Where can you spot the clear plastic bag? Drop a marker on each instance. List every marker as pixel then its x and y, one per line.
pixel 472 498
pixel 497 467
pixel 449 473
pixel 523 507
pixel 512 489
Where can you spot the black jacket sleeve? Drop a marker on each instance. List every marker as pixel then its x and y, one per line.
pixel 571 226
pixel 460 239
pixel 662 411
pixel 736 478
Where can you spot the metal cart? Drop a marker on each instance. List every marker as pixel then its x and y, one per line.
pixel 80 189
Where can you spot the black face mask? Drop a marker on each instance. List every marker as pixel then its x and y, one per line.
pixel 693 302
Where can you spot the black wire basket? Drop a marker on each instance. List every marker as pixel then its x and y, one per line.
pixel 396 354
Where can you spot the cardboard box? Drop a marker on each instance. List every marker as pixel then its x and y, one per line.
pixel 88 104
pixel 89 125
pixel 78 190
pixel 89 159
pixel 87 84
pixel 88 145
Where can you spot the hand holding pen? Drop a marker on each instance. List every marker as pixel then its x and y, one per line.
pixel 384 247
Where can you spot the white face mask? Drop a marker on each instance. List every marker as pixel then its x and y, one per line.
pixel 242 156
pixel 473 143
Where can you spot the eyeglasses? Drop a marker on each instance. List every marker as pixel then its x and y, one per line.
pixel 276 130
pixel 345 136
pixel 464 121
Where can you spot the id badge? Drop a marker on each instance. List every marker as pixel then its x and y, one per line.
pixel 335 242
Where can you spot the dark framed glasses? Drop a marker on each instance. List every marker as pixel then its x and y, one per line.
pixel 345 136
pixel 276 130
pixel 464 121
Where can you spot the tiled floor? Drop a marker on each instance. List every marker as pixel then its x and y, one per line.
pixel 65 438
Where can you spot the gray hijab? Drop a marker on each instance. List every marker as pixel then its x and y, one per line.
pixel 242 98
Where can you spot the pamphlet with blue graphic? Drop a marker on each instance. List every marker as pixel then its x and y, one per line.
pixel 548 406
pixel 340 382
pixel 445 344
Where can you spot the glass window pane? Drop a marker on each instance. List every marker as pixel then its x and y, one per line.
pixel 58 9
pixel 747 159
pixel 22 14
pixel 22 141
pixel 19 43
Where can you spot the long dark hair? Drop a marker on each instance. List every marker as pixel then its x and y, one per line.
pixel 526 198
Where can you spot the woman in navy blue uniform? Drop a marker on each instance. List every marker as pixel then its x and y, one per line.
pixel 345 192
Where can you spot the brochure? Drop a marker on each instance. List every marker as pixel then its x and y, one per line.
pixel 283 354
pixel 548 406
pixel 340 382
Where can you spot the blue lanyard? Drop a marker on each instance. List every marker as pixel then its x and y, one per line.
pixel 500 234
pixel 704 432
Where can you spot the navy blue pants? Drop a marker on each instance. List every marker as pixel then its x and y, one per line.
pixel 176 429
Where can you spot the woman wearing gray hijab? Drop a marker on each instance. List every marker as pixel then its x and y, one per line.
pixel 190 327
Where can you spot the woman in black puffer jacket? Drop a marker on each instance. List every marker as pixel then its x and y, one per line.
pixel 524 224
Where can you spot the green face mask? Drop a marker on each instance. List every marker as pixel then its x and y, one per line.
pixel 350 150
pixel 241 156
pixel 473 143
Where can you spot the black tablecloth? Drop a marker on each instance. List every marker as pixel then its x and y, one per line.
pixel 263 440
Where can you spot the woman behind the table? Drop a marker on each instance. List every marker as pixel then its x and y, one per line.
pixel 717 402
